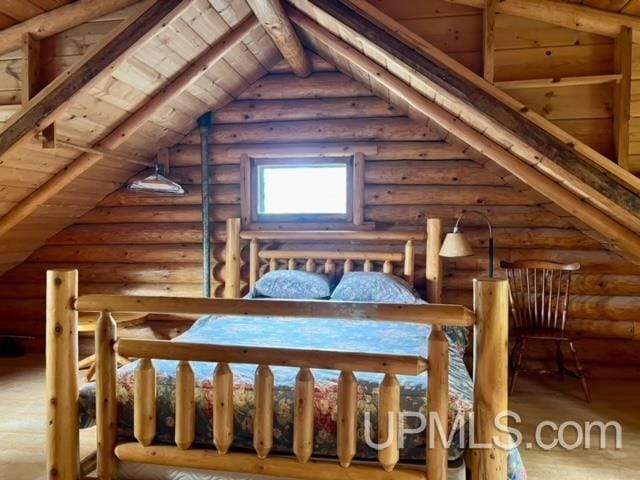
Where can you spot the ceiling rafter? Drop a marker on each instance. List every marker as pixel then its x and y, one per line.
pixel 277 25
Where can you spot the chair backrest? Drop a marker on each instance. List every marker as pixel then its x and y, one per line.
pixel 539 293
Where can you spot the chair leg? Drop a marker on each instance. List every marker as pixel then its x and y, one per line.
pixel 580 371
pixel 560 359
pixel 518 351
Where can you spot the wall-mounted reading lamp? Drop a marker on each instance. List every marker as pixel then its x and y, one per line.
pixel 456 245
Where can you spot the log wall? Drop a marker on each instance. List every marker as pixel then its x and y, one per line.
pixel 144 244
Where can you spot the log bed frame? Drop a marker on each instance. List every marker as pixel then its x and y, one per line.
pixel 489 320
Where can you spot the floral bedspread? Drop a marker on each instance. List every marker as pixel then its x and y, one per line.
pixel 321 334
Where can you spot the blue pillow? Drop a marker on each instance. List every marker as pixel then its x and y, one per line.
pixel 374 287
pixel 294 284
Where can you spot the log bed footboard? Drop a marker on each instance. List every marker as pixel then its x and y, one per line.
pixel 64 304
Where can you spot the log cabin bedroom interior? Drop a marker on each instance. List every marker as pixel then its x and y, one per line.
pixel 319 239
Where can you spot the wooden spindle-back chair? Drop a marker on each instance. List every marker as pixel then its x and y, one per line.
pixel 539 294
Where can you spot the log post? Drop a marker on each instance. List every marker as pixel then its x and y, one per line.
pixel 434 262
pixel 410 262
pixel 438 403
pixel 347 418
pixel 233 261
pixel 106 400
pixel 388 412
pixel 144 402
pixel 303 415
pixel 490 375
pixel 223 408
pixel 63 456
pixel 185 406
pixel 263 420
pixel 254 263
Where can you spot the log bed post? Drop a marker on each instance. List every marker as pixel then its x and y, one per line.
pixel 434 262
pixel 490 376
pixel 106 401
pixel 232 259
pixel 63 456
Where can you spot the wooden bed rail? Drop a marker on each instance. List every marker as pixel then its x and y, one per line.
pixel 284 357
pixel 261 260
pixel 433 314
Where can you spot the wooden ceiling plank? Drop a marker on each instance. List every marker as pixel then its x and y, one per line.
pixel 276 23
pixel 620 236
pixel 128 127
pixel 51 102
pixel 58 20
pixel 564 14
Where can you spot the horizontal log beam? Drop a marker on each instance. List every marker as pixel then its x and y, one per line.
pixel 332 254
pixel 564 14
pixel 252 111
pixel 433 314
pixel 283 357
pixel 58 20
pixel 339 235
pixel 184 155
pixel 250 463
pixel 338 130
pixel 318 85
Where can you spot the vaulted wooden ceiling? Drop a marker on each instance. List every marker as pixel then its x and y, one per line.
pixel 196 56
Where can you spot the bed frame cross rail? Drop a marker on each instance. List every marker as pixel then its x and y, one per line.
pixel 284 357
pixel 433 314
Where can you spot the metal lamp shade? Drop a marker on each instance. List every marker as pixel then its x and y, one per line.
pixel 157 183
pixel 455 245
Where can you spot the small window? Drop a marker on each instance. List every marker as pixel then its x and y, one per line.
pixel 303 189
pixel 307 189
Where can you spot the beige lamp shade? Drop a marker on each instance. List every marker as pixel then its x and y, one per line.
pixel 455 245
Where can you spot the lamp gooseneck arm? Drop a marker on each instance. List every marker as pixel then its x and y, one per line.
pixel 491 246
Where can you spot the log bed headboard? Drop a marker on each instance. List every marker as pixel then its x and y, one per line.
pixel 333 262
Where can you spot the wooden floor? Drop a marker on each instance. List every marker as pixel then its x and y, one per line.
pixel 22 425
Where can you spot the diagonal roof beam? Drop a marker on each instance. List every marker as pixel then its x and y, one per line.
pixel 59 20
pixel 471 98
pixel 50 102
pixel 621 237
pixel 564 14
pixel 276 23
pixel 129 126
